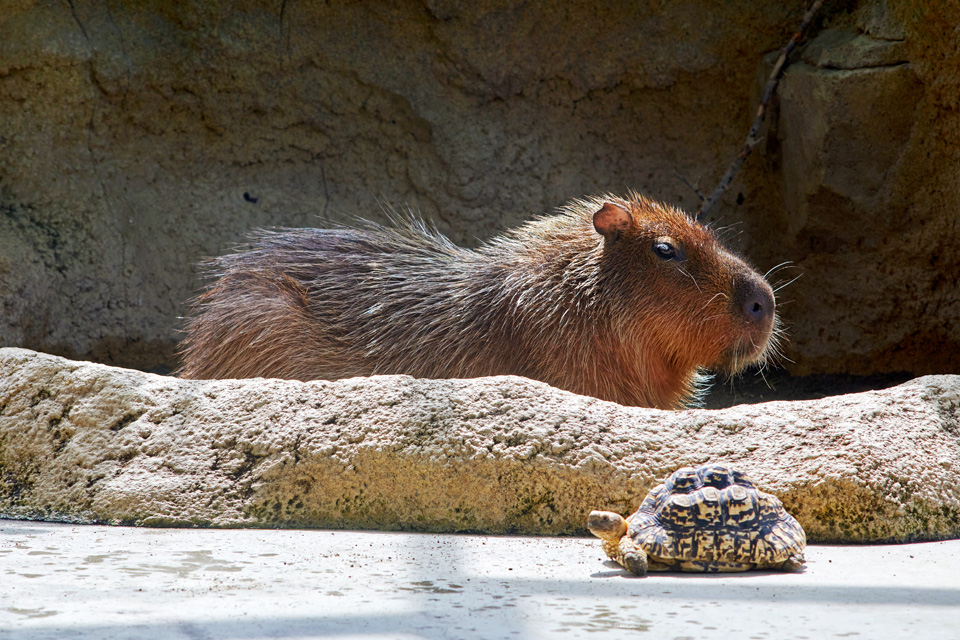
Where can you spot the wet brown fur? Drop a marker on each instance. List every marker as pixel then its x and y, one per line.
pixel 554 300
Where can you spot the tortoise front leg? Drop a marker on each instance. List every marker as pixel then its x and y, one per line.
pixel 631 557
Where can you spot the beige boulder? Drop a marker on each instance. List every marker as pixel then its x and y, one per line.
pixel 85 442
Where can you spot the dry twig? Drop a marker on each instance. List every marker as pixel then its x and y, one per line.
pixel 771 87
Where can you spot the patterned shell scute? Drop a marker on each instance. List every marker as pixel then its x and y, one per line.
pixel 714 514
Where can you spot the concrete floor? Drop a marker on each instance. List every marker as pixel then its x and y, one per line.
pixel 67 581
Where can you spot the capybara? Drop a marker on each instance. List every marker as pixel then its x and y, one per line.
pixel 623 299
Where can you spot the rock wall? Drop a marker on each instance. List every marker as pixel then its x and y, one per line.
pixel 137 138
pixel 866 146
pixel 83 442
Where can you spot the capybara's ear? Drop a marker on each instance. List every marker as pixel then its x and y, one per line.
pixel 611 220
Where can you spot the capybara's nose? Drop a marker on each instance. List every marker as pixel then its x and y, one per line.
pixel 758 303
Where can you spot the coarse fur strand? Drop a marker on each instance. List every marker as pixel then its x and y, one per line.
pixel 554 300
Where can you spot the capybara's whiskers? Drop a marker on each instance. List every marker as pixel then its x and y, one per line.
pixel 786 284
pixel 694 280
pixel 718 294
pixel 776 268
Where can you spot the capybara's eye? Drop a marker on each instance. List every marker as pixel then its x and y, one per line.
pixel 666 250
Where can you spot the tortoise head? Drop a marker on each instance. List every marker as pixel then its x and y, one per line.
pixel 607 525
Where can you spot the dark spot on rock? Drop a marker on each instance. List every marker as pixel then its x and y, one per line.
pixel 125 420
pixel 43 394
pixel 249 461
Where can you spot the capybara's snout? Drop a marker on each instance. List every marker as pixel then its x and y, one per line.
pixel 756 302
pixel 755 308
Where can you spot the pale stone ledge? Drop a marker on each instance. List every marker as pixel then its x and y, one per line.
pixel 84 442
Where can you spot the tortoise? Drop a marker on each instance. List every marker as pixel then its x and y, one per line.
pixel 711 519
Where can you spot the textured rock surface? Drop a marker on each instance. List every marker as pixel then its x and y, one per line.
pixel 879 288
pixel 82 442
pixel 139 137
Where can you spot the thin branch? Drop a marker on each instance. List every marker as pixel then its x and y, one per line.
pixel 696 190
pixel 753 137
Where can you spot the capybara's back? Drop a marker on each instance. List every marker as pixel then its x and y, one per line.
pixel 620 299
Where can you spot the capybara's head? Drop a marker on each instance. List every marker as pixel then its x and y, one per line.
pixel 681 293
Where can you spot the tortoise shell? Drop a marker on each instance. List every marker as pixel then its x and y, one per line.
pixel 713 518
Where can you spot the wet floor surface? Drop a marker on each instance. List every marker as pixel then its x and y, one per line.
pixel 69 581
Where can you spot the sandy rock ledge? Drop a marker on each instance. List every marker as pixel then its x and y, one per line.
pixel 84 442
